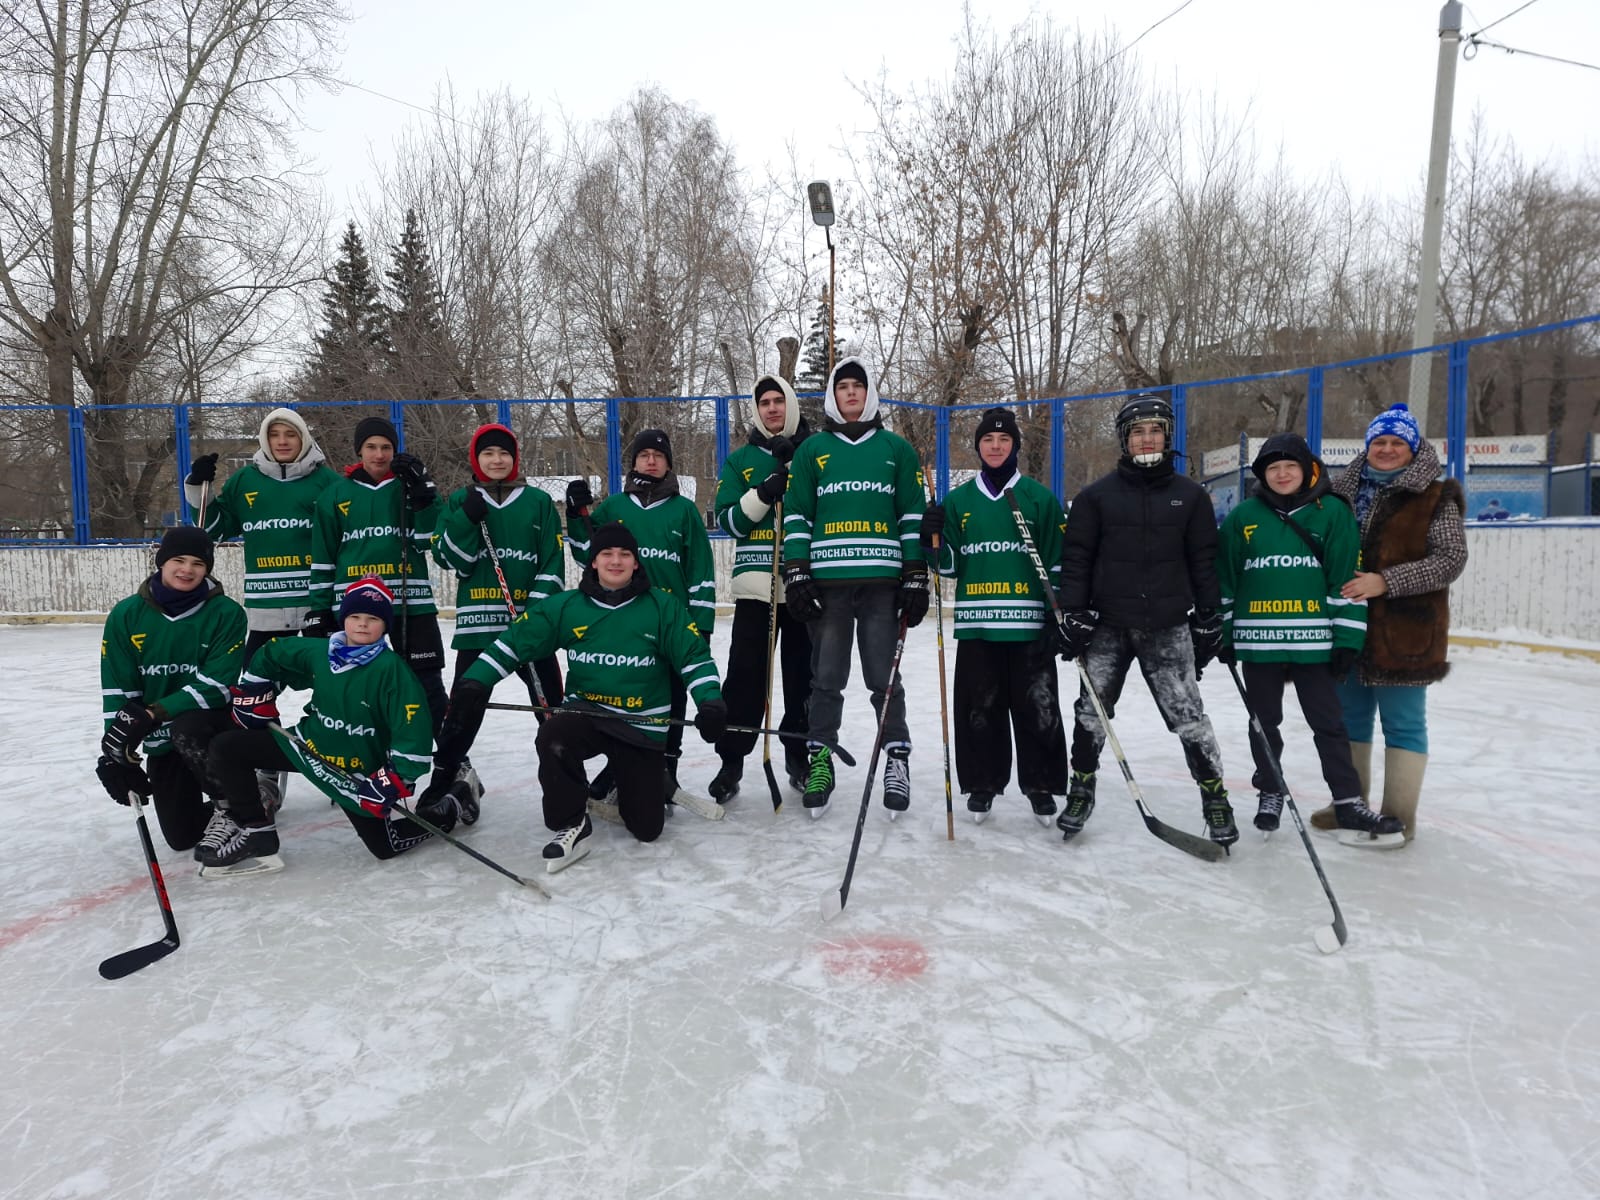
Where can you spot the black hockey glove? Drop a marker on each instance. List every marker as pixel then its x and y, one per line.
pixel 711 719
pixel 1205 630
pixel 120 778
pixel 474 505
pixel 420 489
pixel 1342 661
pixel 932 527
pixel 770 489
pixel 132 724
pixel 253 705
pixel 319 622
pixel 1225 654
pixel 781 448
pixel 202 470
pixel 1074 632
pixel 914 593
pixel 579 498
pixel 379 791
pixel 800 591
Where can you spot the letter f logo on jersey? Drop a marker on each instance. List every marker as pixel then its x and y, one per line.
pixel 822 462
pixel 344 508
pixel 411 711
pixel 1249 532
pixel 138 641
pixel 250 498
pixel 578 631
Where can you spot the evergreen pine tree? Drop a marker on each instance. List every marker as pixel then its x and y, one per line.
pixel 351 349
pixel 813 374
pixel 423 363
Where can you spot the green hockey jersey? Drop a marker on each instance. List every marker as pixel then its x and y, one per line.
pixel 358 719
pixel 621 658
pixel 171 664
pixel 854 509
pixel 274 516
pixel 1279 603
pixel 357 531
pixel 526 532
pixel 998 597
pixel 673 547
pixel 736 501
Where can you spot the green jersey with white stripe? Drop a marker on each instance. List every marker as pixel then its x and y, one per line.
pixel 358 530
pixel 673 547
pixel 526 532
pixel 998 597
pixel 854 509
pixel 1279 603
pixel 171 664
pixel 275 516
pixel 621 658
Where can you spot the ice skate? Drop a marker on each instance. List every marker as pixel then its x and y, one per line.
pixel 1218 813
pixel 724 785
pixel 1269 810
pixel 1044 806
pixel 568 846
pixel 1359 826
pixel 819 782
pixel 897 780
pixel 979 804
pixel 1079 807
pixel 245 850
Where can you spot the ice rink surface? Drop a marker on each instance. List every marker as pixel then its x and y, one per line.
pixel 1003 1015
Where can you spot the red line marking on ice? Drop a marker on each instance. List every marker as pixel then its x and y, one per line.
pixel 76 907
pixel 876 958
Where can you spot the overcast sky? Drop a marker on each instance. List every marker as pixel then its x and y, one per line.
pixel 1342 82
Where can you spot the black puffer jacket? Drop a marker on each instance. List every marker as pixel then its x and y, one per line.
pixel 1141 548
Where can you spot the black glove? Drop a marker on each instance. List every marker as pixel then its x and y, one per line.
pixel 770 489
pixel 474 505
pixel 932 526
pixel 800 591
pixel 579 498
pixel 711 719
pixel 914 593
pixel 781 448
pixel 132 724
pixel 120 778
pixel 1341 661
pixel 319 622
pixel 202 470
pixel 1205 630
pixel 1226 655
pixel 1074 632
pixel 420 490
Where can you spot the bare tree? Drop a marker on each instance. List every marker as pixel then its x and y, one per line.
pixel 139 154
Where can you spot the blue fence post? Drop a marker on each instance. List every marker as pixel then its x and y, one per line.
pixel 1314 410
pixel 80 475
pixel 1180 419
pixel 502 413
pixel 613 445
pixel 397 418
pixel 724 432
pixel 180 432
pixel 1058 449
pixel 1455 398
pixel 941 451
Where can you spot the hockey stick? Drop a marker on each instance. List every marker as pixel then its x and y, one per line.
pixel 1200 847
pixel 351 782
pixel 405 575
pixel 139 957
pixel 944 707
pixel 772 645
pixel 833 901
pixel 205 494
pixel 837 750
pixel 1329 938
pixel 511 606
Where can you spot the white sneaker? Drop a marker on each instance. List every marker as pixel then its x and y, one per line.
pixel 568 846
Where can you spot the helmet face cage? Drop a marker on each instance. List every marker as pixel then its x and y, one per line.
pixel 1144 408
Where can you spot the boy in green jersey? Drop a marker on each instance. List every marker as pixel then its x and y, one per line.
pixel 379 520
pixel 167 656
pixel 749 491
pixel 366 717
pixel 853 564
pixel 1285 553
pixel 630 648
pixel 1005 661
pixel 673 547
pixel 270 501
pixel 525 533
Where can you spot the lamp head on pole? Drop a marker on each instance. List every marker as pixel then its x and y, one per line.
pixel 819 196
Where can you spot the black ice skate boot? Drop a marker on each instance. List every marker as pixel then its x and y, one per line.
pixel 1218 813
pixel 1080 804
pixel 1269 808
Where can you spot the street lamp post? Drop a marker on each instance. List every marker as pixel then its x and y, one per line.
pixel 820 197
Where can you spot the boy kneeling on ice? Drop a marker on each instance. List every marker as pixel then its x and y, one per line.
pixel 627 645
pixel 367 728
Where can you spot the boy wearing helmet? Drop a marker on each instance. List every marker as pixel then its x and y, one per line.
pixel 1139 581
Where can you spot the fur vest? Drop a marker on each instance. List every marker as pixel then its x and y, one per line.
pixel 1407 636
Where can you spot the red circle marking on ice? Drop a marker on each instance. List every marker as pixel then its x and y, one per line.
pixel 876 958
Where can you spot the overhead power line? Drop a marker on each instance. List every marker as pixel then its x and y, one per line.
pixel 1472 43
pixel 1507 17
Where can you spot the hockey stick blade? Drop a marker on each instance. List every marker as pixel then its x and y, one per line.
pixel 831 903
pixel 137 959
pixel 1371 841
pixel 772 786
pixel 1189 843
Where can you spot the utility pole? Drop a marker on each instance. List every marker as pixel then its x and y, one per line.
pixel 1444 95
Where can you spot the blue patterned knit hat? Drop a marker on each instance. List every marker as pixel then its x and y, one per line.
pixel 1396 421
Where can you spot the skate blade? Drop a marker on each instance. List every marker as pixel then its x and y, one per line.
pixel 816 813
pixel 264 865
pixel 600 810
pixel 1368 841
pixel 1045 819
pixel 700 806
pixel 978 818
pixel 554 865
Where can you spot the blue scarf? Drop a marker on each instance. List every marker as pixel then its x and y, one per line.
pixel 175 603
pixel 342 656
pixel 1373 481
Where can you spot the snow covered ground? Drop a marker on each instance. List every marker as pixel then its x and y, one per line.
pixel 998 1016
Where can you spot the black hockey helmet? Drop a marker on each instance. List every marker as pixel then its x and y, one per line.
pixel 1149 406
